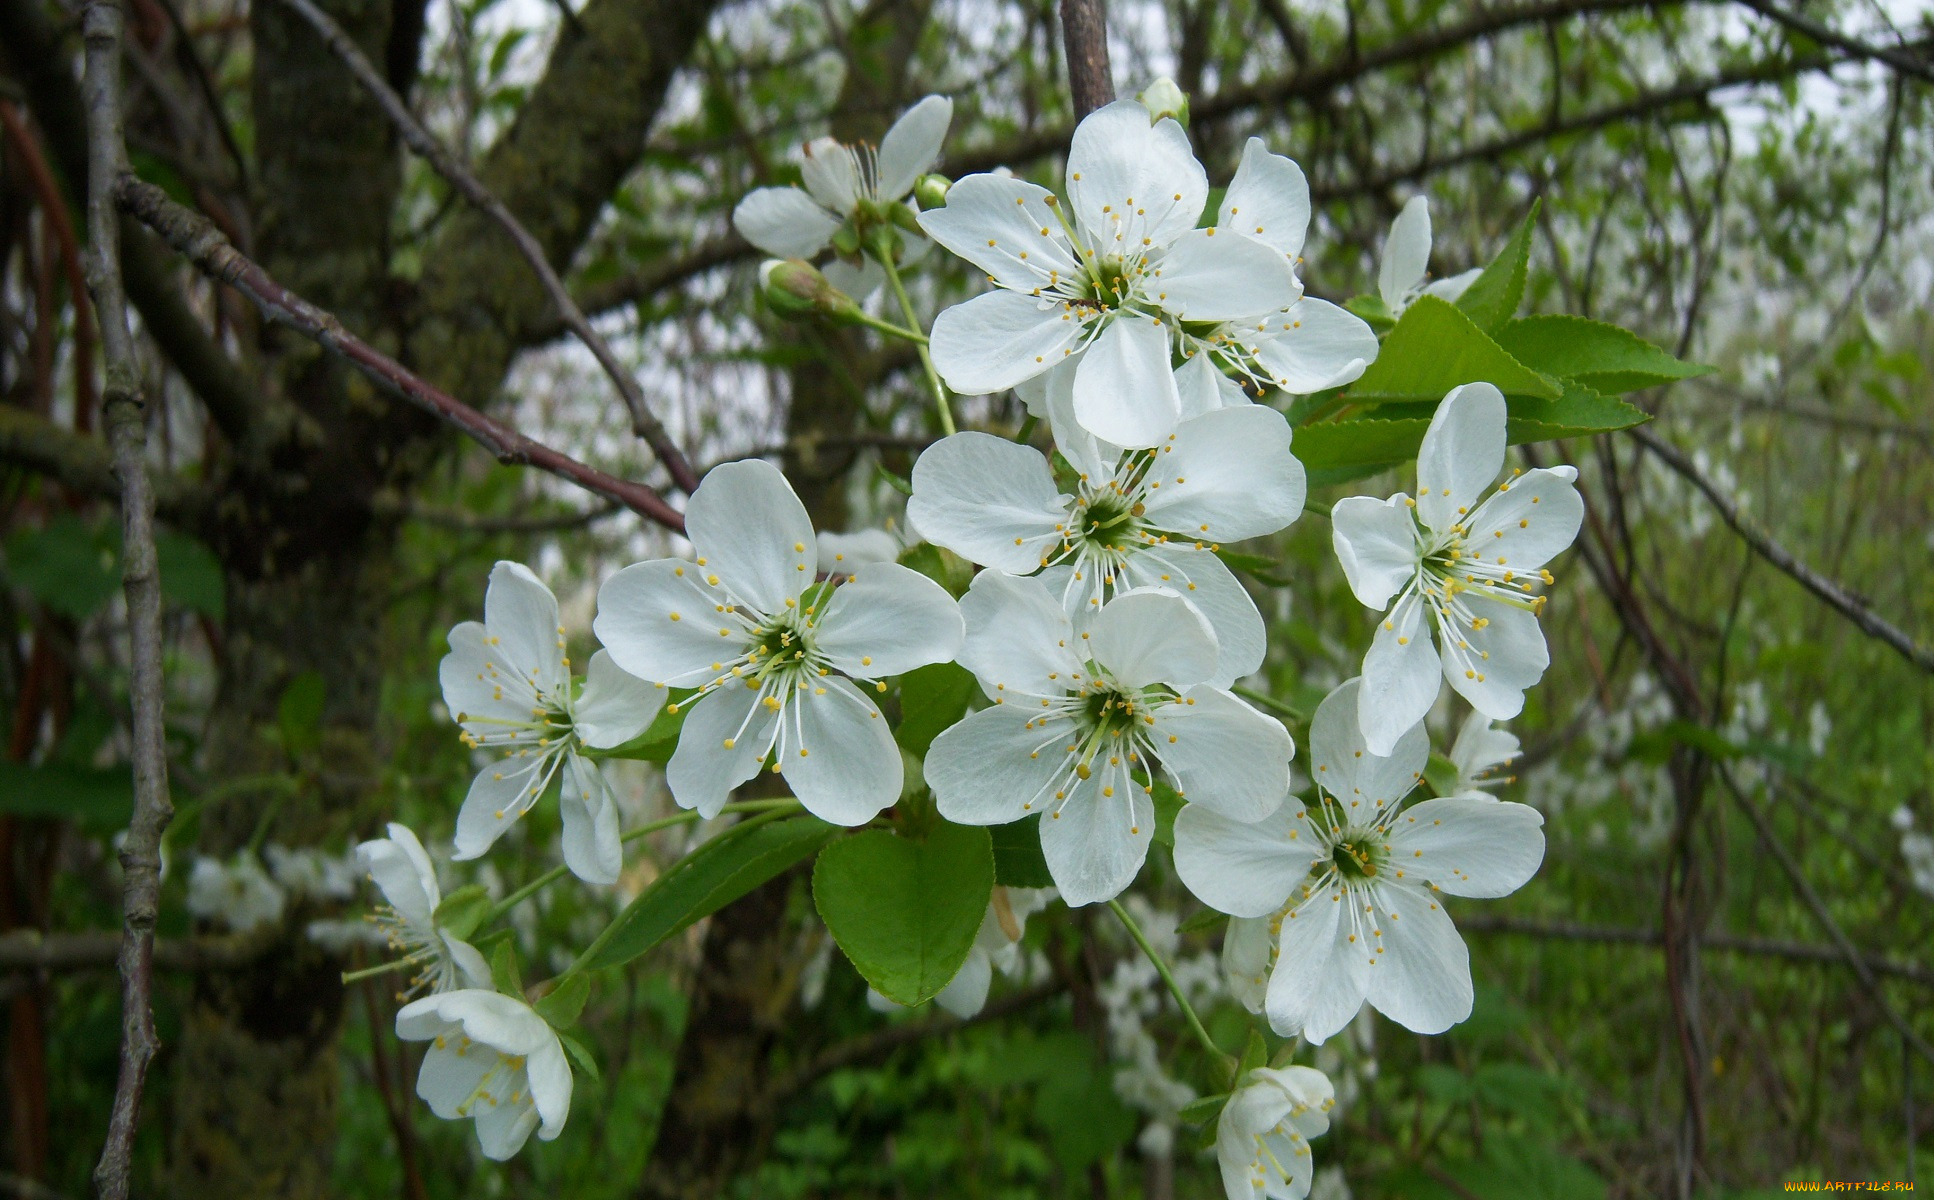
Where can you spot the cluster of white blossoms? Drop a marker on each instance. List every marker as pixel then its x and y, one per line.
pixel 1103 628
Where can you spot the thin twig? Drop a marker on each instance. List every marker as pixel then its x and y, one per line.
pixel 123 412
pixel 201 243
pixel 1633 935
pixel 32 950
pixel 1084 32
pixel 1893 56
pixel 1839 598
pixel 643 421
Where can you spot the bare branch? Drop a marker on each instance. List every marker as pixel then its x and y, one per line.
pixel 123 411
pixel 419 139
pixel 83 464
pixel 1894 56
pixel 201 243
pixel 1837 597
pixel 31 950
pixel 1084 31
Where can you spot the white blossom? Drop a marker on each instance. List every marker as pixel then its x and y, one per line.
pixel 492 1058
pixel 1443 563
pixel 237 894
pixel 508 683
pixel 1406 262
pixel 313 873
pixel 407 879
pixel 1151 518
pixel 771 653
pixel 1262 1137
pixel 1104 276
pixel 1479 751
pixel 1080 722
pixel 997 947
pixel 1354 890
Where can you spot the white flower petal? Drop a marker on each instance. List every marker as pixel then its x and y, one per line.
pixel 1201 578
pixel 615 705
pixel 403 873
pixel 784 222
pixel 912 145
pixel 521 614
pixel 966 995
pixel 1479 748
pixel 989 768
pixel 1470 845
pixel 843 763
pixel 592 848
pixel 1422 980
pixel 1203 388
pixel 502 1129
pixel 988 500
pixel 1124 391
pixel 1319 980
pixel 471 969
pixel 1376 541
pixel 1315 345
pixel 1088 454
pixel 478 682
pixel 888 620
pixel 1000 339
pixel 1017 638
pixel 832 175
pixel 1095 844
pixel 1223 754
pixel 750 529
pixel 1406 255
pixel 858 282
pixel 1126 177
pixel 447 1079
pixel 993 221
pixel 1268 200
pixel 1146 636
pixel 1504 658
pixel 502 792
pixel 1246 947
pixel 1230 470
pixel 1202 277
pixel 550 1082
pixel 844 552
pixel 704 770
pixel 1462 453
pixel 1454 286
pixel 1400 677
pixel 1351 770
pixel 635 622
pixel 1530 520
pixel 1246 869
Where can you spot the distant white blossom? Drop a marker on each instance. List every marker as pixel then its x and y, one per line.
pixel 237 894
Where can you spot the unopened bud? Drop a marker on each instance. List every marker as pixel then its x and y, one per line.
pixel 796 290
pixel 1164 99
pixel 931 191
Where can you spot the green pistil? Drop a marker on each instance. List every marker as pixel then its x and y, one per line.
pixel 1359 855
pixel 1110 522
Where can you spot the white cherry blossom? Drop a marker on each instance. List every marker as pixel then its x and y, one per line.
pixel 1442 563
pixel 1406 262
pixel 773 654
pixel 997 946
pixel 1478 751
pixel 1355 888
pixel 407 879
pixel 1080 722
pixel 1104 275
pixel 237 894
pixel 492 1058
pixel 508 683
pixel 1150 518
pixel 1262 1137
pixel 843 182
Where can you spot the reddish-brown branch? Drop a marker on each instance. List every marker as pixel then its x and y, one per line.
pixel 1084 32
pixel 53 208
pixel 196 239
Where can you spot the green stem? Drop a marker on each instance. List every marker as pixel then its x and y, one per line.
pixel 1174 988
pixel 1270 702
pixel 739 830
pixel 1027 428
pixel 378 969
pixel 885 257
pixel 497 910
pixel 889 328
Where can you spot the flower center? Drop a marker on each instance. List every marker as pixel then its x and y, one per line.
pixel 1359 854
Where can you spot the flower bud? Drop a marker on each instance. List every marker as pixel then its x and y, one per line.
pixel 796 290
pixel 1164 99
pixel 931 191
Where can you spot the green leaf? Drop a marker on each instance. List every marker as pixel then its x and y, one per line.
pixel 944 567
pixel 504 975
pixel 1372 310
pixel 931 698
pixel 190 575
pixel 1203 1109
pixel 1255 1053
pixel 1441 774
pixel 1603 357
pixel 1203 920
pixel 579 1053
pixel 1168 805
pixel 1368 442
pixel 1494 296
pixel 1262 570
pixel 101 800
pixel 462 911
pixel 1434 348
pixel 69 565
pixel 1335 450
pixel 708 879
pixel 299 713
pixel 659 739
pixel 1580 412
pixel 1018 861
pixel 560 1007
pixel 905 911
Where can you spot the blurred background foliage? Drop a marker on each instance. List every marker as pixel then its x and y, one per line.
pixel 1735 778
